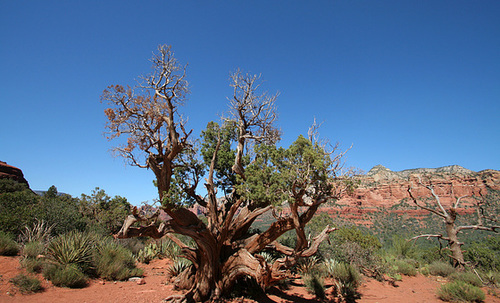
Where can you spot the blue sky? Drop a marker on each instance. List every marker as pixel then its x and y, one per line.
pixel 408 83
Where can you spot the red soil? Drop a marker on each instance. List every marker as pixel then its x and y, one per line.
pixel 410 290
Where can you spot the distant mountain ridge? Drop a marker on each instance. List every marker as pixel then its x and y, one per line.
pixel 380 172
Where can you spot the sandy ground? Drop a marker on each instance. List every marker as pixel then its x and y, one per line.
pixel 417 289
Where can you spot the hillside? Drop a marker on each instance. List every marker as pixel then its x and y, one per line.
pixel 383 189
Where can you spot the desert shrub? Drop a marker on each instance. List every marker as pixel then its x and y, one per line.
pixel 60 211
pixel 33 249
pixel 308 265
pixel 17 202
pixel 26 283
pixel 73 248
pixel 459 291
pixel 315 285
pixel 405 267
pixel 484 254
pixel 40 232
pixel 492 278
pixel 354 234
pixel 348 279
pixel 402 248
pixel 467 277
pixel 440 268
pixel 32 265
pixel 114 262
pixel 8 247
pixel 68 275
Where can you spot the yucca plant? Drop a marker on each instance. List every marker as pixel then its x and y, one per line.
pixel 73 248
pixel 178 267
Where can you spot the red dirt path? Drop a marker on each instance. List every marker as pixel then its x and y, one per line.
pixel 418 289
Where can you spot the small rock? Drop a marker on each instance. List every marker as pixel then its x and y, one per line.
pixel 134 279
pixel 141 282
pixel 102 282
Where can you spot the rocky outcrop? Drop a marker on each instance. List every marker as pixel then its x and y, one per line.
pixel 382 188
pixel 11 172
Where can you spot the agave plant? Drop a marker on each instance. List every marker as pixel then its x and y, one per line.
pixel 178 267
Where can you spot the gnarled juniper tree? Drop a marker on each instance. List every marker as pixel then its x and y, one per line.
pixel 246 175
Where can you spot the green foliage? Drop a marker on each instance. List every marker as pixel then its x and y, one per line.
pixel 114 262
pixel 104 214
pixel 485 254
pixel 404 267
pixel 65 275
pixel 8 247
pixel 224 177
pixel 355 235
pixel 16 206
pixel 492 278
pixel 315 285
pixel 347 277
pixel 308 266
pixel 459 291
pixel 26 283
pixel 178 267
pixel 59 211
pixel 33 265
pixel 73 248
pixel 467 277
pixel 440 268
pixel 402 248
pixel 39 232
pixel 33 249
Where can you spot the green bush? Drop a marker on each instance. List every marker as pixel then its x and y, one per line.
pixel 73 248
pixel 26 283
pixel 440 268
pixel 33 249
pixel 8 247
pixel 405 267
pixel 485 254
pixel 65 275
pixel 402 247
pixel 467 277
pixel 492 278
pixel 114 262
pixel 459 291
pixel 32 265
pixel 348 279
pixel 315 285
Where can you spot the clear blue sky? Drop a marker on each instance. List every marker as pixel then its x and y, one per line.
pixel 408 83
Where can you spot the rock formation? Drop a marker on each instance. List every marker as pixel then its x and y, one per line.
pixel 11 172
pixel 382 188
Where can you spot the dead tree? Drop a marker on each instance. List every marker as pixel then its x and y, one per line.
pixel 301 178
pixel 449 217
